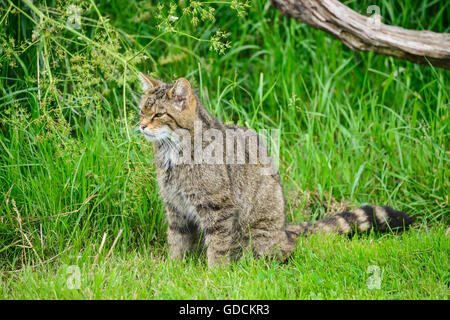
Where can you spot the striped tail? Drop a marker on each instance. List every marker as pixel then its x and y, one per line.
pixel 359 220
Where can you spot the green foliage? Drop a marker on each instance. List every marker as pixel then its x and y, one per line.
pixel 408 266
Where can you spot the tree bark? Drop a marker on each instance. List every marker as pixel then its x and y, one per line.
pixel 363 33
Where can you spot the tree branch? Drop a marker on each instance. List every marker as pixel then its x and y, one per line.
pixel 363 33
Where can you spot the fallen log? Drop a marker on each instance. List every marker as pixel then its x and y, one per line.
pixel 362 33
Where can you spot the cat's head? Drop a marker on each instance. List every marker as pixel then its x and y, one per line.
pixel 164 107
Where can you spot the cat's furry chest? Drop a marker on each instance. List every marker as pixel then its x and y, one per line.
pixel 189 188
pixel 177 193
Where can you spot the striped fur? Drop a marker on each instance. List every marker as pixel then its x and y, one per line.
pixel 360 220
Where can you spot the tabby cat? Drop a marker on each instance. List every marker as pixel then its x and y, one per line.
pixel 234 205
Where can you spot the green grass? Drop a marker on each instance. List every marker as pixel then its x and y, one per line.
pixel 411 266
pixel 355 127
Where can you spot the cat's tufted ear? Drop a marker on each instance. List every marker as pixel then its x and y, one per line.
pixel 181 92
pixel 181 89
pixel 147 82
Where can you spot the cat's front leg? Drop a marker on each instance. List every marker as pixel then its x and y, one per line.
pixel 218 228
pixel 182 235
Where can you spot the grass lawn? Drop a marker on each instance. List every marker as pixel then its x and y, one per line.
pixel 78 196
pixel 410 266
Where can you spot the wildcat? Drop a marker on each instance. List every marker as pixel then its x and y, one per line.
pixel 234 205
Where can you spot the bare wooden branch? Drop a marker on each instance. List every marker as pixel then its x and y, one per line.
pixel 363 33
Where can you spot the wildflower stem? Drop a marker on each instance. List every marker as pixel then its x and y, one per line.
pixel 75 32
pixel 146 46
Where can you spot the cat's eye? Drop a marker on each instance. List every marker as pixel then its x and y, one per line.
pixel 141 113
pixel 158 115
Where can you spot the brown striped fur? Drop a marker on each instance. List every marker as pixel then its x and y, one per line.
pixel 232 205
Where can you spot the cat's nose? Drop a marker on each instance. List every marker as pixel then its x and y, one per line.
pixel 143 126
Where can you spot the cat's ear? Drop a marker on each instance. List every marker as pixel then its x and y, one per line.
pixel 182 93
pixel 181 89
pixel 147 82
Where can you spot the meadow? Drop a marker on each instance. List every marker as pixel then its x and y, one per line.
pixel 80 214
